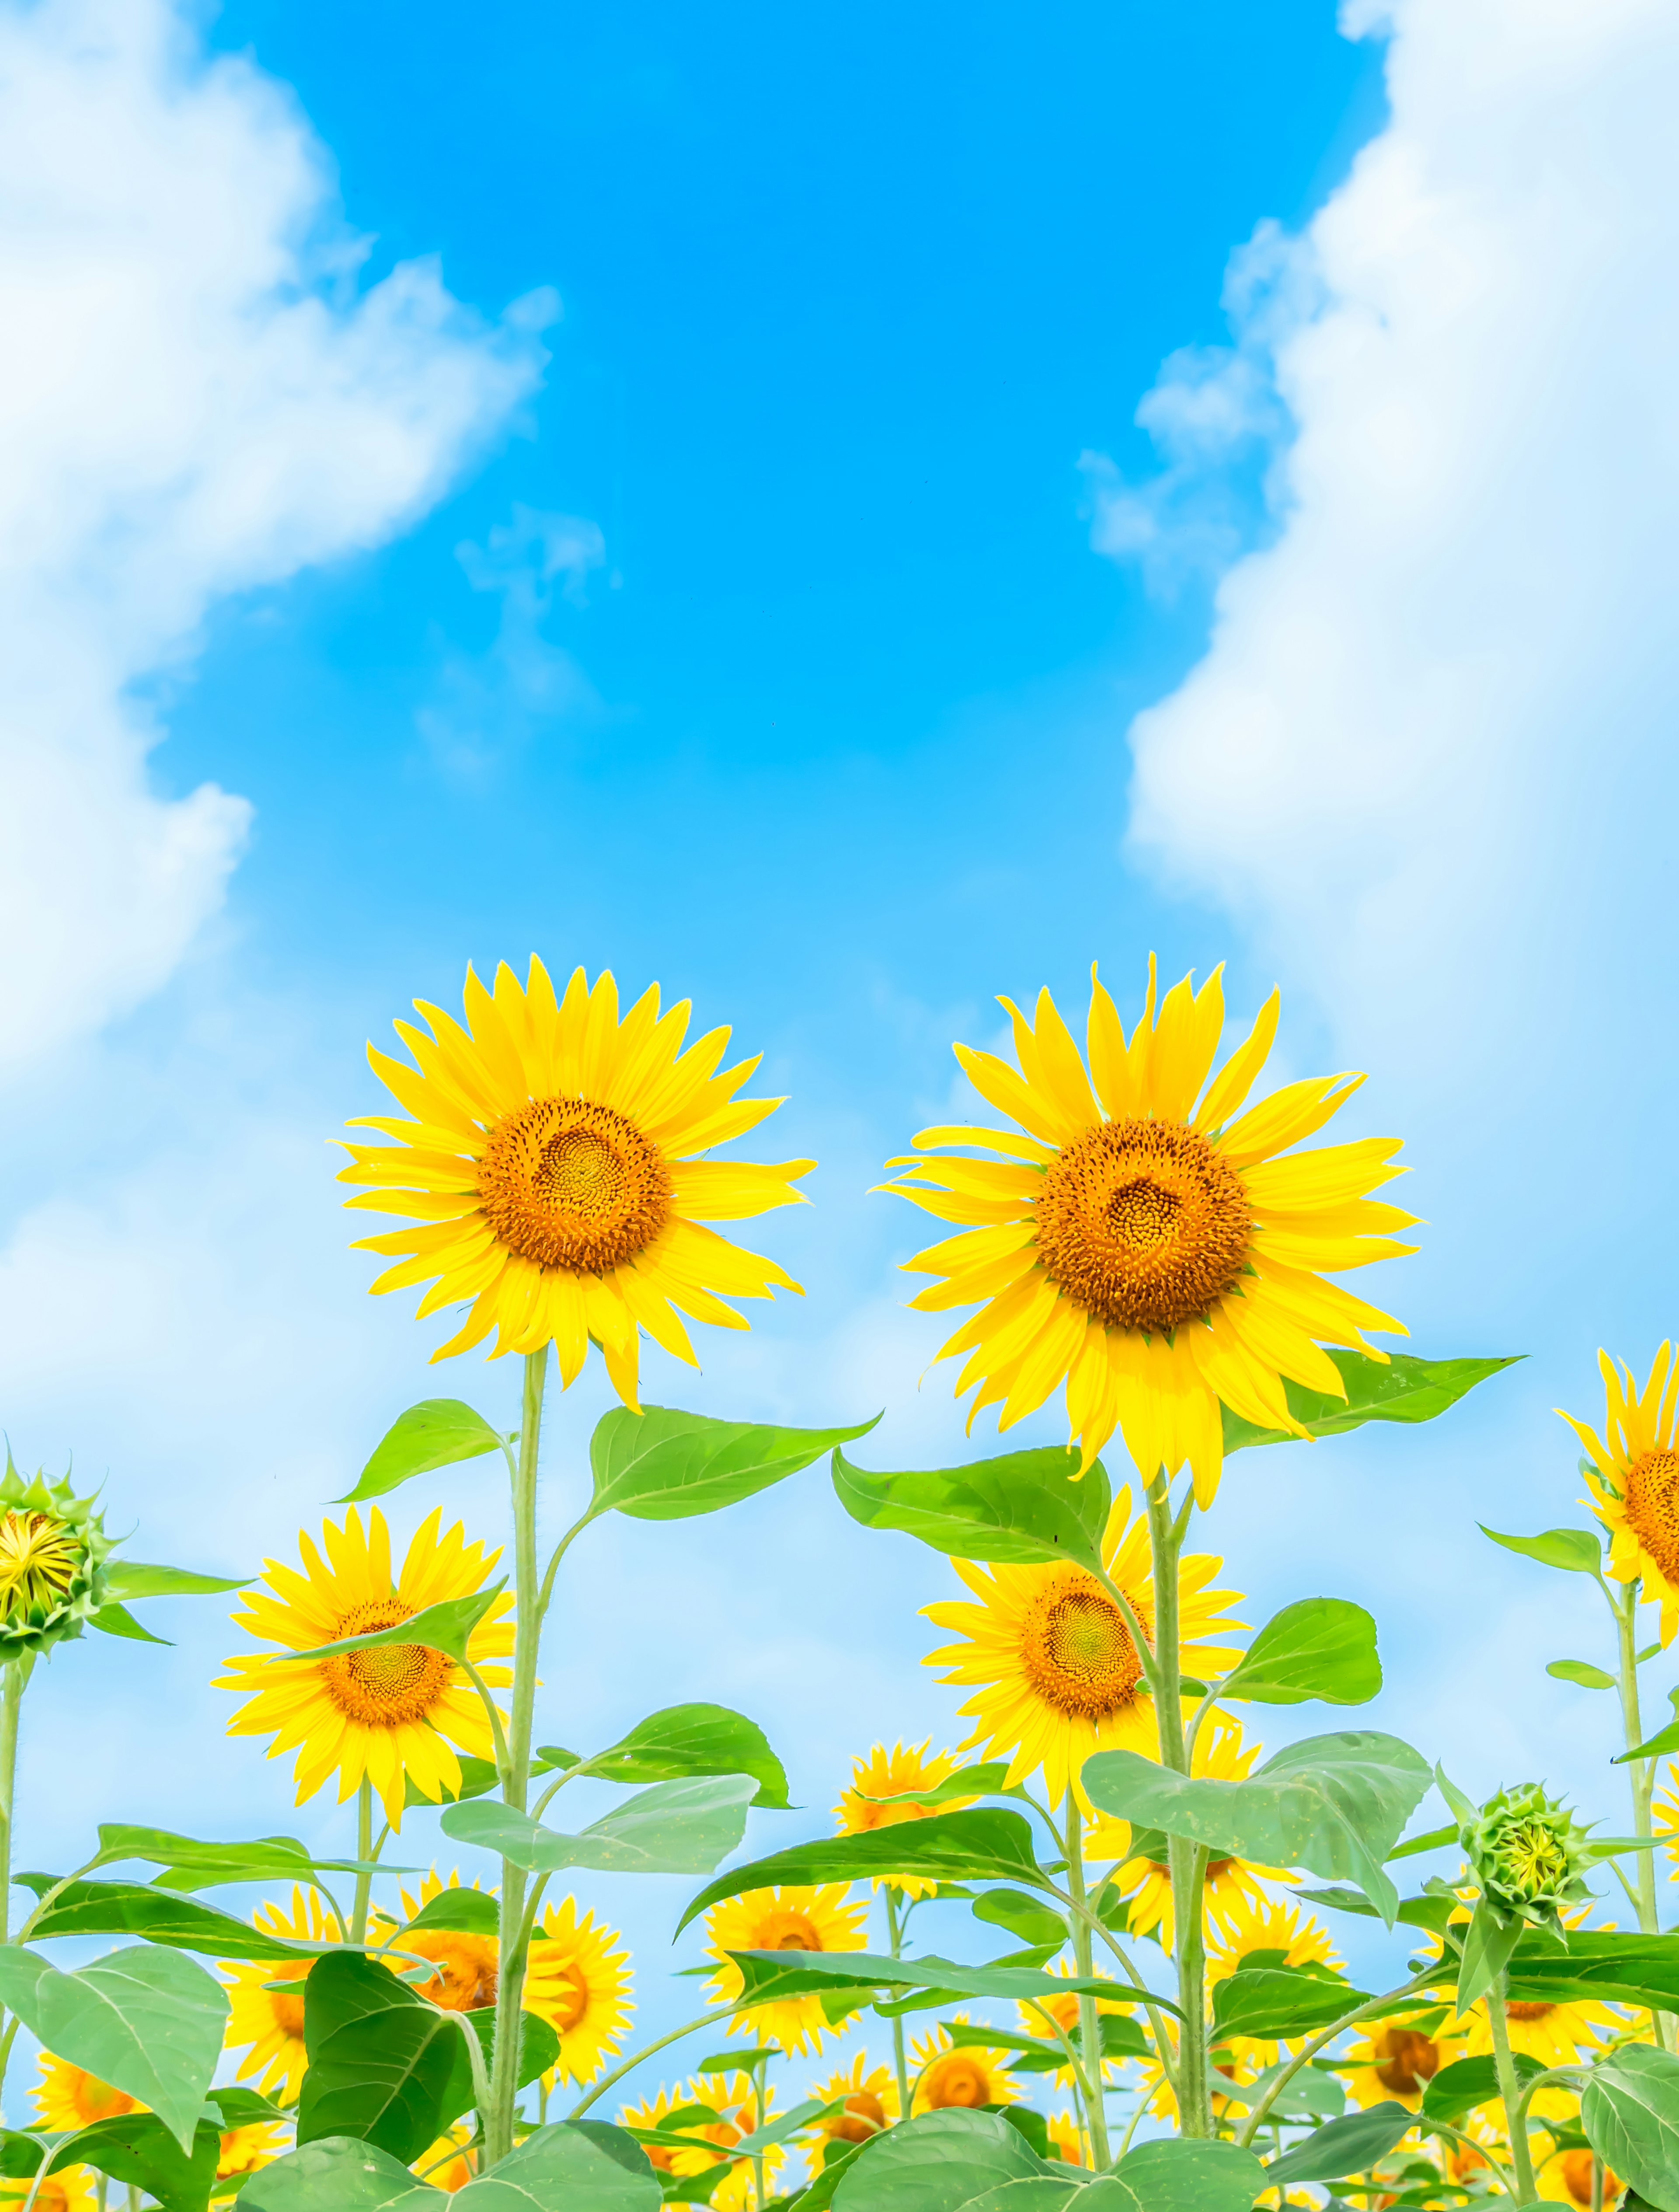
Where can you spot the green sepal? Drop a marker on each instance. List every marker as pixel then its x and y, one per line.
pixel 39 1624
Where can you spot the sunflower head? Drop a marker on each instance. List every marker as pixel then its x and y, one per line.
pixel 1530 1854
pixel 1633 1473
pixel 52 1552
pixel 795 1917
pixel 962 2076
pixel 578 1980
pixel 883 1777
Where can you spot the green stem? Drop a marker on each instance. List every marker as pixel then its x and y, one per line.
pixel 1187 1861
pixel 1642 1774
pixel 629 2065
pixel 895 1933
pixel 11 1700
pixel 510 1983
pixel 364 1849
pixel 1309 2050
pixel 1090 2023
pixel 1510 2091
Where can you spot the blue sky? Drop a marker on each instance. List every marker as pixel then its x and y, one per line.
pixel 738 560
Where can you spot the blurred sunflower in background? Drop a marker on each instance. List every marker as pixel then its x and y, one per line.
pixel 68 2097
pixel 579 1981
pixel 1141 1240
pixel 1265 1931
pixel 734 2100
pixel 1063 2011
pixel 267 2018
pixel 1566 2179
pixel 948 2074
pixel 389 1714
pixel 1056 1673
pixel 551 1166
pixel 882 1774
pixel 1067 2139
pixel 466 1961
pixel 1634 1478
pixel 66 2188
pixel 820 1918
pixel 243 2150
pixel 1665 1814
pixel 449 2163
pixel 871 2103
pixel 1397 2058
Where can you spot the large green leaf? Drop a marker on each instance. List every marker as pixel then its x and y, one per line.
pixel 936 2164
pixel 1576 1551
pixel 380 2059
pixel 675 1827
pixel 161 1916
pixel 583 2166
pixel 1277 2003
pixel 768 1977
pixel 1430 1913
pixel 1177 2175
pixel 437 1432
pixel 686 1740
pixel 1335 1804
pixel 1352 2145
pixel 661 1465
pixel 1630 2112
pixel 134 1578
pixel 1038 2192
pixel 1458 2088
pixel 988 1778
pixel 341 2175
pixel 138 2150
pixel 1029 1917
pixel 446 1626
pixel 1025 1507
pixel 463 1912
pixel 1614 1967
pixel 979 1842
pixel 190 1864
pixel 148 2021
pixel 1396 1390
pixel 1322 1647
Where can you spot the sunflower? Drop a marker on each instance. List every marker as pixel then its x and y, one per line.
pixel 871 2097
pixel 466 1964
pixel 1265 1932
pixel 66 2188
pixel 734 2098
pixel 1665 1814
pixel 884 1773
pixel 578 1979
pixel 1634 1477
pixel 551 1165
pixel 651 2115
pixel 245 2149
pixel 270 2019
pixel 1554 2034
pixel 1231 1885
pixel 448 2165
pixel 1566 2179
pixel 68 2097
pixel 1398 2059
pixel 784 1919
pixel 391 1713
pixel 1057 1673
pixel 949 2074
pixel 1067 2139
pixel 1063 2011
pixel 1151 1254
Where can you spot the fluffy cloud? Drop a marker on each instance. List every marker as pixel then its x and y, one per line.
pixel 196 398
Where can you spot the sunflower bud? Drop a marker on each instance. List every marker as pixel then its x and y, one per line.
pixel 52 1552
pixel 1529 1853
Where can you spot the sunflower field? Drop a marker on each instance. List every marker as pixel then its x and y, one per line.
pixel 1151 2011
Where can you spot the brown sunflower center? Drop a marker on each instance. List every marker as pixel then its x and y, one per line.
pixel 1409 2063
pixel 1529 2012
pixel 958 2080
pixel 787 1931
pixel 1653 1508
pixel 1575 2167
pixel 572 1185
pixel 864 2116
pixel 1143 1224
pixel 465 1978
pixel 391 1684
pixel 1076 1650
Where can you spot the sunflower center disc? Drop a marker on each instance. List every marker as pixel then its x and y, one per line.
pixel 1529 2011
pixel 1412 2061
pixel 1076 1650
pixel 393 1682
pixel 1143 1224
pixel 959 2082
pixel 570 2001
pixel 465 1978
pixel 1653 1508
pixel 37 1561
pixel 569 1184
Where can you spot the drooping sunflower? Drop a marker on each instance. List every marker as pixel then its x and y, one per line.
pixel 391 1713
pixel 68 2097
pixel 270 2020
pixel 1265 1931
pixel 1399 2057
pixel 884 1774
pixel 1065 2012
pixel 1058 1674
pixel 1635 1479
pixel 578 1979
pixel 1153 1254
pixel 948 2076
pixel 871 2104
pixel 552 1168
pixel 793 1918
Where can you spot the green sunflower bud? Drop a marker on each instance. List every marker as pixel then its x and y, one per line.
pixel 53 1552
pixel 1529 1853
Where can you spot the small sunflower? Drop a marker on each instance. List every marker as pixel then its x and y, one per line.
pixel 882 1774
pixel 1058 1675
pixel 1266 1932
pixel 651 2115
pixel 552 1166
pixel 1566 2179
pixel 449 2164
pixel 1067 2140
pixel 1154 1255
pixel 733 2098
pixel 1398 2059
pixel 68 2097
pixel 1063 2011
pixel 1554 2034
pixel 947 2074
pixel 66 2188
pixel 391 1713
pixel 1635 1479
pixel 821 1918
pixel 467 1964
pixel 578 1979
pixel 270 2020
pixel 871 2097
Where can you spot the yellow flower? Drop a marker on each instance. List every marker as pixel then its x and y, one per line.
pixel 1063 2011
pixel 1635 1479
pixel 733 2098
pixel 270 2020
pixel 68 2097
pixel 652 2114
pixel 66 2188
pixel 790 1919
pixel 465 1978
pixel 578 1979
pixel 1399 2057
pixel 871 2097
pixel 1156 2094
pixel 1664 1813
pixel 245 2149
pixel 1067 2139
pixel 1154 1255
pixel 945 2074
pixel 1058 1674
pixel 1554 2034
pixel 391 1713
pixel 1248 1926
pixel 883 1773
pixel 448 2164
pixel 1566 2179
pixel 551 1165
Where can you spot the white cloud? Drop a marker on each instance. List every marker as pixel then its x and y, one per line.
pixel 196 398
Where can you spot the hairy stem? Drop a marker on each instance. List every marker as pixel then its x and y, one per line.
pixel 1188 1862
pixel 1090 2023
pixel 1510 2090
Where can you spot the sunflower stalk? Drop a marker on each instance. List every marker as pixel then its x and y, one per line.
pixel 1325 2036
pixel 1187 1861
pixel 11 1701
pixel 1641 1772
pixel 1090 2023
pixel 1510 2089
pixel 895 1936
pixel 364 1851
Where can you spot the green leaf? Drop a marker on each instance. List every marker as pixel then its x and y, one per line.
pixel 134 1578
pixel 837 2158
pixel 675 1827
pixel 1038 2192
pixel 341 2175
pixel 1487 1951
pixel 1434 1841
pixel 243 2108
pixel 1467 2083
pixel 1352 2145
pixel 114 1620
pixel 1335 1804
pixel 1430 1913
pixel 1616 1967
pixel 988 1778
pixel 686 1740
pixel 1630 2112
pixel 1322 1648
pixel 463 1912
pixel 139 2150
pixel 146 2021
pixel 1667 1741
pixel 551 1757
pixel 161 1916
pixel 1575 1550
pixel 434 1433
pixel 1398 1389
pixel 1029 1917
pixel 538 2049
pixel 1025 1507
pixel 190 1864
pixel 581 2166
pixel 936 2164
pixel 1277 2003
pixel 975 1844
pixel 380 2059
pixel 1581 1671
pixel 1177 2175
pixel 1309 2093
pixel 661 1465
pixel 20 2154
pixel 478 1778
pixel 770 1976
pixel 1121 2038
pixel 446 1626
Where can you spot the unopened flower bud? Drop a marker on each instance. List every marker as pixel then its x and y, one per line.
pixel 52 1552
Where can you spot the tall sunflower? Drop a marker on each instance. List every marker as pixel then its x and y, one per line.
pixel 1154 1254
pixel 948 2076
pixel 265 2021
pixel 822 1917
pixel 1058 1674
pixel 1635 1479
pixel 579 1981
pixel 391 1713
pixel 552 1166
pixel 883 1775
